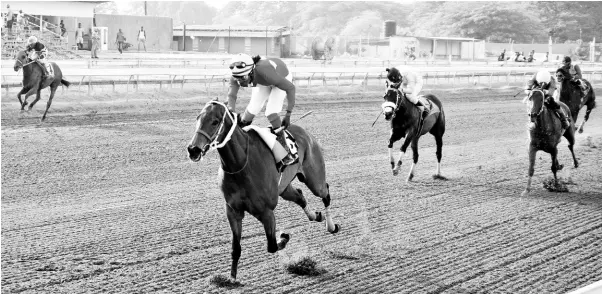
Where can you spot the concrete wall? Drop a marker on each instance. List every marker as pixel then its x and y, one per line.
pixel 159 30
pixel 236 45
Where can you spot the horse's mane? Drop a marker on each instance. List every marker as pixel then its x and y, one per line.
pixel 256 58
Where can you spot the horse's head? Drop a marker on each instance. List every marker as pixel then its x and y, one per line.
pixel 392 102
pixel 562 74
pixel 20 59
pixel 535 103
pixel 214 127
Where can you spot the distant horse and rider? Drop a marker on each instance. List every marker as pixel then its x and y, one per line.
pixel 37 74
pixel 575 91
pixel 546 128
pixel 411 116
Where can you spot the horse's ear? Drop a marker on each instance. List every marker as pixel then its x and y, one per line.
pixel 215 99
pixel 226 103
pixel 387 69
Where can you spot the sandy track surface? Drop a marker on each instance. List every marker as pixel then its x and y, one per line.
pixel 102 198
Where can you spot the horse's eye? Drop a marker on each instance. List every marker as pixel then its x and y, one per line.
pixel 215 122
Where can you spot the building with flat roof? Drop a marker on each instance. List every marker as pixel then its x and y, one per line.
pixel 263 40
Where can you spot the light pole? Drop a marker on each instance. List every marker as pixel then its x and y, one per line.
pixel 184 36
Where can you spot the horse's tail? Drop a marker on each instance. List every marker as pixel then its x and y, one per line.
pixel 66 83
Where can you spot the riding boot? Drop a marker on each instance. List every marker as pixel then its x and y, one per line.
pixel 289 158
pixel 563 119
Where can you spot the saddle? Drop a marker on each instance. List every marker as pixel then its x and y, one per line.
pixel 431 107
pixel 270 138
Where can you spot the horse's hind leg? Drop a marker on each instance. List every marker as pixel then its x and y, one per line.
pixel 415 158
pixel 268 220
pixel 555 165
pixel 52 91
pixel 590 106
pixel 439 142
pixel 29 93
pixel 296 195
pixel 318 186
pixel 235 220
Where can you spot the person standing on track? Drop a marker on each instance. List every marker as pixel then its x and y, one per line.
pixel 271 82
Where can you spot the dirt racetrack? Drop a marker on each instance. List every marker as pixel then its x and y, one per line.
pixel 101 198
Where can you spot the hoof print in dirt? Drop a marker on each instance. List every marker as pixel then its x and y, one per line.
pixel 221 281
pixel 439 177
pixel 49 268
pixel 305 266
pixel 551 186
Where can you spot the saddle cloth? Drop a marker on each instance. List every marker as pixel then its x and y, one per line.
pixel 429 105
pixel 270 138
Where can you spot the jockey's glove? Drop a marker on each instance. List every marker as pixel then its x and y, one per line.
pixel 287 119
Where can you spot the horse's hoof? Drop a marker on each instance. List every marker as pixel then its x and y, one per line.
pixel 439 177
pixel 560 166
pixel 284 238
pixel 337 228
pixel 576 164
pixel 395 172
pixel 525 193
pixel 410 177
pixel 319 217
pixel 580 131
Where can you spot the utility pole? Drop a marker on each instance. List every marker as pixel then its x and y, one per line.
pixel 145 8
pixel 184 38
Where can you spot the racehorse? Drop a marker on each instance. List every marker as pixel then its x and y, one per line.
pixel 249 179
pixel 570 94
pixel 32 81
pixel 405 122
pixel 545 132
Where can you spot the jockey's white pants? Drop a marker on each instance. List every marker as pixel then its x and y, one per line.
pixel 413 97
pixel 272 94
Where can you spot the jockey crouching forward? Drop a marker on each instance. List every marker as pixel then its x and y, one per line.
pixel 575 72
pixel 544 81
pixel 411 84
pixel 271 82
pixel 37 52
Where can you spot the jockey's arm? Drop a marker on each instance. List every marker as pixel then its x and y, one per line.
pixel 577 72
pixel 552 88
pixel 409 88
pixel 232 93
pixel 283 84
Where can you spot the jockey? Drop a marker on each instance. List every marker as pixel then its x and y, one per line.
pixel 37 52
pixel 575 72
pixel 411 84
pixel 544 81
pixel 272 82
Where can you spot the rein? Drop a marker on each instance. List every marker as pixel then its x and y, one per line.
pixel 24 65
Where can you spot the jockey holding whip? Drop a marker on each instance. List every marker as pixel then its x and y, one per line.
pixel 37 52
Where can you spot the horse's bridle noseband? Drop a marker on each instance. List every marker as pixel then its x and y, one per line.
pixel 213 139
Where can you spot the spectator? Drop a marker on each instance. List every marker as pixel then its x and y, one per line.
pixel 547 56
pixel 120 41
pixel 531 58
pixel 19 20
pixel 95 42
pixel 63 29
pixel 9 19
pixel 142 38
pixel 79 36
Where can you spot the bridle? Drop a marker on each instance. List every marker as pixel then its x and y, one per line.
pixel 213 139
pixel 542 102
pixel 26 64
pixel 398 99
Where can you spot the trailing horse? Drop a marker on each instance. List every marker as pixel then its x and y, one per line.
pixel 545 133
pixel 405 122
pixel 32 81
pixel 571 95
pixel 249 179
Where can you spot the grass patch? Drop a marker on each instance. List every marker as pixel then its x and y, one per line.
pixel 221 281
pixel 306 266
pixel 560 186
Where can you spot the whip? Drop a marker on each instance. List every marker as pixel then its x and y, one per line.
pixel 381 112
pixel 278 130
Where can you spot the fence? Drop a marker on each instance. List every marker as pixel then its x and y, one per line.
pixel 303 80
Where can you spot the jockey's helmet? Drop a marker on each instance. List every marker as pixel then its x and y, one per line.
pixel 32 40
pixel 394 76
pixel 241 65
pixel 543 76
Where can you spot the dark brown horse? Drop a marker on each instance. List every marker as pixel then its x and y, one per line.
pixel 570 94
pixel 32 81
pixel 405 122
pixel 248 176
pixel 545 132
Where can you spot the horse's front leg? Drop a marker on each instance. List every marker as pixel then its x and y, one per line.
pixel 395 135
pixel 585 118
pixel 402 152
pixel 415 158
pixel 23 91
pixel 532 152
pixel 235 220
pixel 38 96
pixel 268 220
pixel 29 93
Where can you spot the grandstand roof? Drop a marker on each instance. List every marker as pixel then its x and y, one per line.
pixel 54 8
